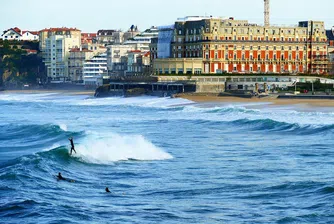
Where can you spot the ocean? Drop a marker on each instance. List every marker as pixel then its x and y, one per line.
pixel 164 160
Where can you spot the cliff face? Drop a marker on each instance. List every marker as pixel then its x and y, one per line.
pixel 17 67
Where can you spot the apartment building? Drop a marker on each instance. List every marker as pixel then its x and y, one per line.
pixel 76 61
pixel 95 70
pixel 212 45
pixel 55 44
pixel 138 63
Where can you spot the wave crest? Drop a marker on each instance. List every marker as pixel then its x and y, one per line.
pixel 108 149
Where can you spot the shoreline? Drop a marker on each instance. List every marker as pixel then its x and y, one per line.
pixel 199 98
pixel 58 91
pixel 270 100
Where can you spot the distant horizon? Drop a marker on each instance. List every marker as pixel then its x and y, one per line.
pixel 34 15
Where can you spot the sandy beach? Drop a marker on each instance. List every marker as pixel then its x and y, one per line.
pixel 272 100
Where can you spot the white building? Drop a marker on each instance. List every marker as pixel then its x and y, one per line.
pixel 144 39
pixel 11 34
pixel 30 36
pixel 95 70
pixel 56 56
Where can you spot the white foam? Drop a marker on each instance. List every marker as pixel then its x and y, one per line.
pixel 63 127
pixel 142 101
pixel 106 149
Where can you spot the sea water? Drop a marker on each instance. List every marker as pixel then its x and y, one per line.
pixel 164 161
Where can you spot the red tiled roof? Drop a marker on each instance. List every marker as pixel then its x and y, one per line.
pixel 32 32
pixel 135 51
pixel 17 29
pixel 29 51
pixel 88 34
pixel 59 29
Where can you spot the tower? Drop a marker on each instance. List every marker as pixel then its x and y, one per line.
pixel 266 12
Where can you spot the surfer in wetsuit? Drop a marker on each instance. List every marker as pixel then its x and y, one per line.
pixel 107 190
pixel 60 177
pixel 72 145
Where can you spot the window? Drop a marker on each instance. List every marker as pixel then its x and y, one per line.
pixel 259 47
pixel 251 47
pixel 226 56
pixel 258 57
pixel 235 57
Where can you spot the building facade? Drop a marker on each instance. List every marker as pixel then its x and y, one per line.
pixel 11 34
pixel 330 36
pixel 95 70
pixel 55 44
pixel 138 63
pixel 237 46
pixel 30 36
pixel 88 38
pixel 76 61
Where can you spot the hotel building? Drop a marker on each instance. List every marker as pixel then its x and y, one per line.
pixel 209 45
pixel 55 44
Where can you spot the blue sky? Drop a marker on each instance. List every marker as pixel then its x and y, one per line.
pixel 90 16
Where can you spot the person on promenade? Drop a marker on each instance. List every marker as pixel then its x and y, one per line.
pixel 72 145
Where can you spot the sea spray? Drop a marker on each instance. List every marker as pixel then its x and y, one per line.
pixel 107 148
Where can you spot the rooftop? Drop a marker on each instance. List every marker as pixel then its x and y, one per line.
pixel 59 29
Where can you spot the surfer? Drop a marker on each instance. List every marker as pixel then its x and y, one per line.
pixel 72 145
pixel 60 177
pixel 107 190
